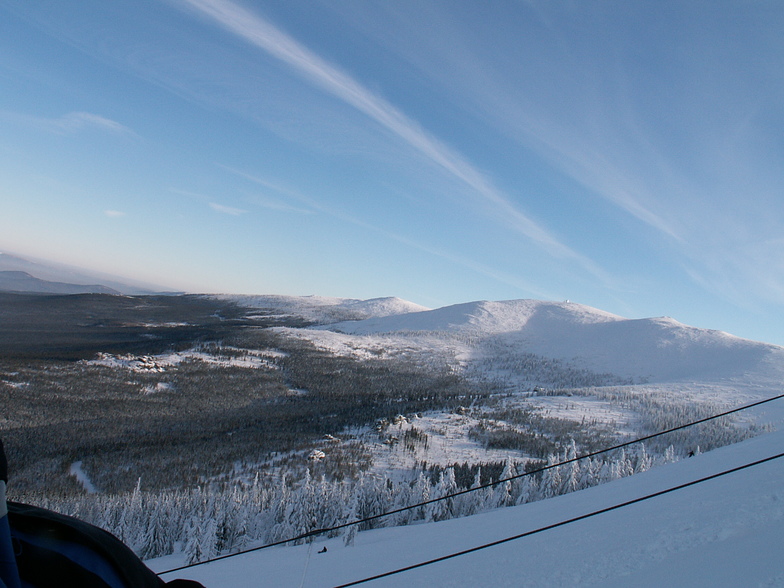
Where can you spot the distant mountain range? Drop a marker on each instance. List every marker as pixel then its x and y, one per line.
pixel 18 274
pixel 17 281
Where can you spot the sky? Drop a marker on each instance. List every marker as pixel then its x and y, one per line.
pixel 624 155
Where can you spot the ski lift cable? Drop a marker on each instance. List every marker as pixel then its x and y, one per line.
pixel 561 523
pixel 491 484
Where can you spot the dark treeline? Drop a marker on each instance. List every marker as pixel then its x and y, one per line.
pixel 73 327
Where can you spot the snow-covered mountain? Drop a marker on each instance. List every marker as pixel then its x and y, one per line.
pixel 484 318
pixel 723 532
pixel 650 349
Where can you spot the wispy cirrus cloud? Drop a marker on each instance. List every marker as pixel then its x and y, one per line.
pixel 230 210
pixel 114 213
pixel 263 35
pixel 567 132
pixel 216 206
pixel 72 122
pixel 275 205
pixel 76 121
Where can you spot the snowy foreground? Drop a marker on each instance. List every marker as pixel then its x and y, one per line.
pixel 727 531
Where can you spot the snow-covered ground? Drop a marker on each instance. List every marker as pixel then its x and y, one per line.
pixel 447 443
pixel 724 532
pixel 223 357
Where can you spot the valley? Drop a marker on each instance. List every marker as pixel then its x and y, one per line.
pixel 190 398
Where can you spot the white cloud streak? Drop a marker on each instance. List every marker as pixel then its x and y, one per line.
pixel 317 71
pixel 227 209
pixel 531 117
pixel 73 122
pixel 221 208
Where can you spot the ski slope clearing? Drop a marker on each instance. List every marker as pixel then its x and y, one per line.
pixel 724 532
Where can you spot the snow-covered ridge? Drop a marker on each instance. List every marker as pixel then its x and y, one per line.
pixel 650 349
pixel 482 318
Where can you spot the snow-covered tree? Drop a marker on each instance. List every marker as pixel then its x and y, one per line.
pixel 502 495
pixel 443 509
pixel 571 479
pixel 551 478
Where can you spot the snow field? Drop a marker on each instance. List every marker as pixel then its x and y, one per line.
pixel 242 358
pixel 447 443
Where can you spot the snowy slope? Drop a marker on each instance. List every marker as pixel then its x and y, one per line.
pixel 724 532
pixel 653 349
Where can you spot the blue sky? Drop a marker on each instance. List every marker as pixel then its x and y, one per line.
pixel 625 155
